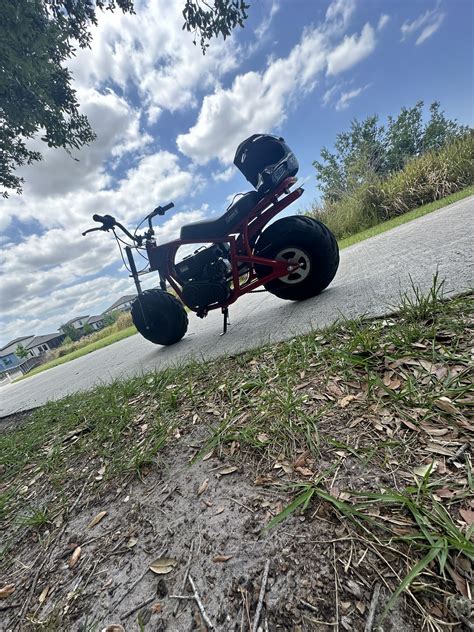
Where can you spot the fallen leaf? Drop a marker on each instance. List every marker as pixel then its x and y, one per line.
pixel 422 470
pixel 263 438
pixel 467 515
pixel 264 479
pixel 163 565
pixel 114 627
pixel 6 591
pixel 208 455
pixel 228 470
pixel 219 510
pixel 43 595
pixel 434 432
pixel 304 471
pixel 444 403
pixel 156 608
pixel 75 557
pixel 345 401
pixel 96 519
pixel 207 502
pixel 132 542
pixel 460 582
pixel 360 605
pixel 203 486
pixel 444 492
pixel 437 449
pixel 222 558
pixel 409 425
pixel 301 460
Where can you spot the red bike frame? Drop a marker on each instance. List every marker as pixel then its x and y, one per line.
pixel 241 240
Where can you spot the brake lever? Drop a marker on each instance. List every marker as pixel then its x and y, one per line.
pixel 91 230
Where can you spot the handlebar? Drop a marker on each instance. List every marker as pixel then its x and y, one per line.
pixel 108 222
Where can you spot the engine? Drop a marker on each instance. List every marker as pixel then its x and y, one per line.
pixel 205 276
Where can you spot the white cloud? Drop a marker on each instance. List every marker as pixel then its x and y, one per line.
pixel 255 102
pixel 383 21
pixel 428 23
pixel 346 97
pixel 263 28
pixel 150 51
pixel 118 132
pixel 329 94
pixel 225 175
pixel 351 51
pixel 340 11
pixel 259 101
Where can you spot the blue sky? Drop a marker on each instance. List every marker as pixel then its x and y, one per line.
pixel 168 121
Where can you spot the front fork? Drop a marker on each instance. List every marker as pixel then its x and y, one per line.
pixel 133 269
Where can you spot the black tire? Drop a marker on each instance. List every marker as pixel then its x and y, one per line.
pixel 159 317
pixel 319 255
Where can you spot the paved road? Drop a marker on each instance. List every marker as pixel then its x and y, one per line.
pixel 371 276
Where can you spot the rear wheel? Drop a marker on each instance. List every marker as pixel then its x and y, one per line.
pixel 159 317
pixel 301 240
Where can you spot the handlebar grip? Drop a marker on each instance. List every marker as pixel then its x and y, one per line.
pixel 167 207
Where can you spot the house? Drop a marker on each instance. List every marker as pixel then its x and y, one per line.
pixel 78 322
pixel 96 322
pixel 40 345
pixel 13 365
pixel 8 358
pixel 123 304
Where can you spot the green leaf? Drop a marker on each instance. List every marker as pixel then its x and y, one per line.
pixel 303 499
pixel 410 577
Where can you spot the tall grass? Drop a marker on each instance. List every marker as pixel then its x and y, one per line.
pixel 424 179
pixel 124 321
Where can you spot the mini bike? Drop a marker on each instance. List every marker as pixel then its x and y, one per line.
pixel 294 258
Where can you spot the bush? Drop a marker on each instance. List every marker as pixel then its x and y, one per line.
pixel 429 177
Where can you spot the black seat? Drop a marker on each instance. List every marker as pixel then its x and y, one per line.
pixel 223 225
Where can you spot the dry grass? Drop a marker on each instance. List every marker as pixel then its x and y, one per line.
pixel 428 178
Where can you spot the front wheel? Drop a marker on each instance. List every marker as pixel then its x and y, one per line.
pixel 159 317
pixel 301 240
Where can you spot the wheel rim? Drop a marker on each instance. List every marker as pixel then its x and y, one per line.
pixel 295 256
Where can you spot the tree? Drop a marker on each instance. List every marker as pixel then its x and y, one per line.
pixel 37 37
pixel 88 329
pixel 21 352
pixel 70 332
pixel 404 136
pixel 109 319
pixel 360 155
pixel 369 151
pixel 439 130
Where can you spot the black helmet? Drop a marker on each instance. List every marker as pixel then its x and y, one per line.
pixel 265 161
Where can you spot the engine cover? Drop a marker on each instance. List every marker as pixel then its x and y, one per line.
pixel 203 293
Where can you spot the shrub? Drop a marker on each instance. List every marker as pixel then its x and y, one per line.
pixel 429 177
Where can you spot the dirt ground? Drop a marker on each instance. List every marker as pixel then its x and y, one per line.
pixel 209 517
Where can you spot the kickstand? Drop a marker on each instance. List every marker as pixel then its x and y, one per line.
pixel 225 311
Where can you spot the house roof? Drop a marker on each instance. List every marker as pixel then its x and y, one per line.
pixel 40 340
pixel 120 301
pixel 13 344
pixel 73 320
pixel 95 319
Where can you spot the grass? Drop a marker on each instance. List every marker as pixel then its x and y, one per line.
pixel 93 346
pixel 405 218
pixel 361 418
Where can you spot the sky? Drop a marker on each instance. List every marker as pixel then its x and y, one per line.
pixel 168 121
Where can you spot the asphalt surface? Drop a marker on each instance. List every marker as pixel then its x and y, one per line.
pixel 371 277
